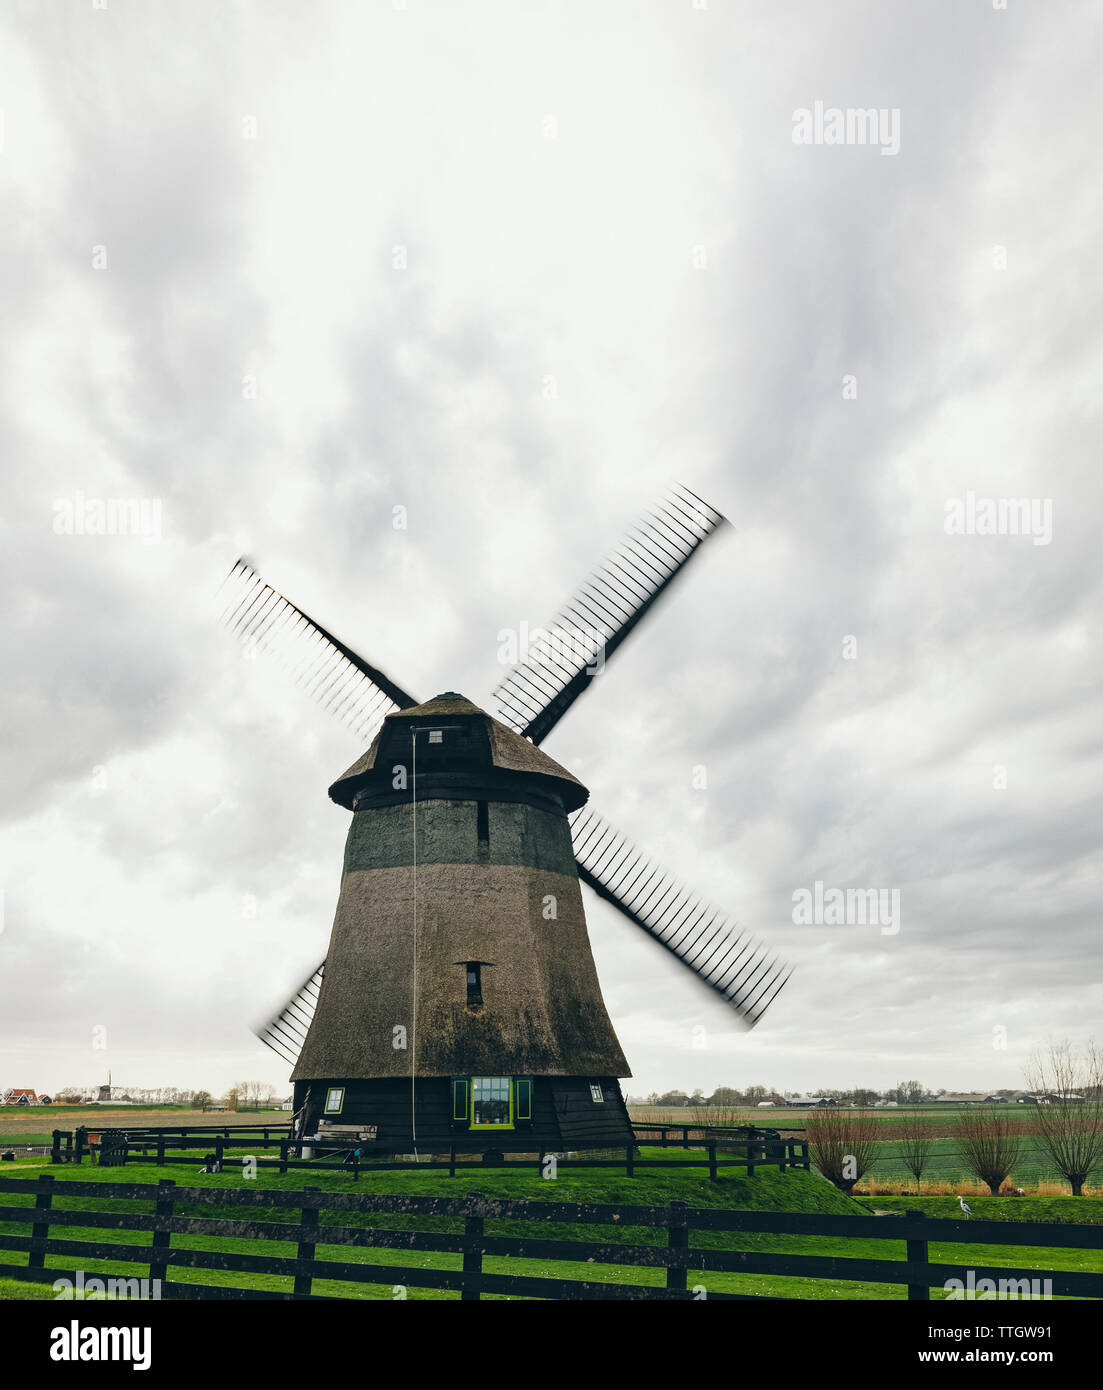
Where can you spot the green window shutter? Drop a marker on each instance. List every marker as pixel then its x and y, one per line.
pixel 522 1103
pixel 461 1101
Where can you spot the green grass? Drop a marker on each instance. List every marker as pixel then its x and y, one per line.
pixel 16 1289
pixel 767 1190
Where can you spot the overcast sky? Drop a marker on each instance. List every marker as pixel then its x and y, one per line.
pixel 275 270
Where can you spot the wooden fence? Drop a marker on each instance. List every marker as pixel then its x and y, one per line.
pixel 677 1257
pixel 719 1149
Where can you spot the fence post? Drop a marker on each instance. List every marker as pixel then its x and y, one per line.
pixel 218 1145
pixel 82 1134
pixel 158 1267
pixel 712 1162
pixel 472 1259
pixel 677 1238
pixel 283 1155
pixel 55 1151
pixel 160 1151
pixel 629 1160
pixel 752 1143
pixel 452 1161
pixel 41 1229
pixel 917 1254
pixel 309 1217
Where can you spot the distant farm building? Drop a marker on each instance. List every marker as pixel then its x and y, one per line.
pixel 809 1100
pixel 20 1097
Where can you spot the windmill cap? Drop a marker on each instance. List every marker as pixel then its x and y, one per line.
pixel 506 752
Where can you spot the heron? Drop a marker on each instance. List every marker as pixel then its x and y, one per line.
pixel 966 1208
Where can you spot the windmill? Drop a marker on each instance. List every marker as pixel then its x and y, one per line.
pixel 459 1002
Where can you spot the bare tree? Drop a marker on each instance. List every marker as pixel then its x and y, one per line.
pixel 915 1145
pixel 1070 1121
pixel 842 1144
pixel 989 1141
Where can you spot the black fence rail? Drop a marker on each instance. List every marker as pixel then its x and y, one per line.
pixel 176 1146
pixel 72 1146
pixel 676 1255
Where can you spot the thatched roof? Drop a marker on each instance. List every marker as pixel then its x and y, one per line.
pixel 506 750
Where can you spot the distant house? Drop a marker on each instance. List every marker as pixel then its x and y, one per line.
pixel 809 1100
pixel 964 1097
pixel 995 1100
pixel 20 1097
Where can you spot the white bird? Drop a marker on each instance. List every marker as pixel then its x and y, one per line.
pixel 964 1205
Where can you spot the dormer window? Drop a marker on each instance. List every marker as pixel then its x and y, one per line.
pixel 436 735
pixel 473 969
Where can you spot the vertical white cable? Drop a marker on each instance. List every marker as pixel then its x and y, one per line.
pixel 413 1028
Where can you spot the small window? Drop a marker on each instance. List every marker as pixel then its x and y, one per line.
pixel 491 1102
pixel 436 735
pixel 335 1099
pixel 595 1092
pixel 482 821
pixel 474 984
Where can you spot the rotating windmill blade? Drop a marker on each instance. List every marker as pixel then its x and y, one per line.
pixel 532 699
pixel 343 682
pixel 726 959
pixel 606 608
pixel 286 1031
pixel 536 694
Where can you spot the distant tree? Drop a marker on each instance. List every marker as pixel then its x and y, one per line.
pixel 753 1094
pixel 915 1146
pixel 861 1096
pixel 841 1144
pixel 726 1095
pixel 1070 1130
pixel 201 1100
pixel 697 1098
pixel 653 1098
pixel 233 1098
pixel 673 1098
pixel 989 1142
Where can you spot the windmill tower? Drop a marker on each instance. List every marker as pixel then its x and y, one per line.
pixel 460 997
pixel 458 1001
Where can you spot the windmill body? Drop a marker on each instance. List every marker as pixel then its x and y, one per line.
pixel 459 1000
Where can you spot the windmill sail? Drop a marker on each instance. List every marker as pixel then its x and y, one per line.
pixel 354 691
pixel 286 1031
pixel 731 962
pixel 608 605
